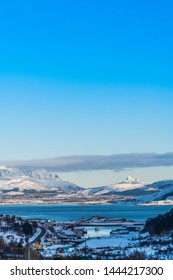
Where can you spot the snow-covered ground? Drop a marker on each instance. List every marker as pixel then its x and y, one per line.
pixel 36 180
pixel 126 185
pixel 110 241
pixel 10 236
pixel 15 182
pixel 69 240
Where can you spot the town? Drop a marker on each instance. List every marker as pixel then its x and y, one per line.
pixel 37 239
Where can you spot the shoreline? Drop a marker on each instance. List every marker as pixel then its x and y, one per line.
pixel 159 203
pixel 53 203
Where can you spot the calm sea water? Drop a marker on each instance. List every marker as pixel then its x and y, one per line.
pixel 75 212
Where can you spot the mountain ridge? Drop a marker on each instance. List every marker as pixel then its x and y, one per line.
pixel 27 179
pixel 18 181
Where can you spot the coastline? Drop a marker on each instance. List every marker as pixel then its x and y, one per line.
pixel 152 203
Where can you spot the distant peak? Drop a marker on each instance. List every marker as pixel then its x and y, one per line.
pixel 3 167
pixel 130 180
pixel 39 174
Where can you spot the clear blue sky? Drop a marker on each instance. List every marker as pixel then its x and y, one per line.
pixel 85 77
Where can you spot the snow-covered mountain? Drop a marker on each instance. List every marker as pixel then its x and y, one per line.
pixel 17 172
pixel 136 189
pixel 41 183
pixel 17 179
pixel 122 187
pixel 162 190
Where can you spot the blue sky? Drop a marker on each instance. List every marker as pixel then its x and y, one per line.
pixel 86 78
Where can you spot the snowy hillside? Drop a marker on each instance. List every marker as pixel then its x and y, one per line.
pixel 136 190
pixel 18 179
pixel 35 174
pixel 40 184
pixel 163 190
pixel 128 184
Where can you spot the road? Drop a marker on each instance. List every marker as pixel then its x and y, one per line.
pixel 39 236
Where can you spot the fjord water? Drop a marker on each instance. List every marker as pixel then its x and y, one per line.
pixel 72 212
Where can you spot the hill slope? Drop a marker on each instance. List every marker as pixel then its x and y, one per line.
pixel 23 180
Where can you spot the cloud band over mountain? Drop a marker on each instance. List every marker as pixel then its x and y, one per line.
pixel 117 162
